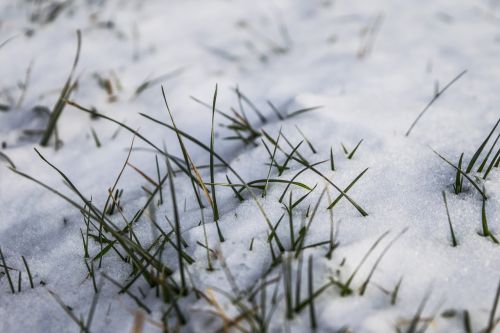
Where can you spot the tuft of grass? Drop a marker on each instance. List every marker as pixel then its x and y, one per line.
pixel 483 165
pixel 313 169
pixel 473 183
pixel 238 123
pixel 176 160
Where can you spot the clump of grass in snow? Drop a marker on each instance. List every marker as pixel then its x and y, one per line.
pixel 145 259
pixel 473 179
pixel 458 186
pixel 311 167
pixel 241 126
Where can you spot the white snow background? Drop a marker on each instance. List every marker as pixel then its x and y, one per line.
pixel 372 66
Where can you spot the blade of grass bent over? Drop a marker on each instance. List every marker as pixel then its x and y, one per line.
pixel 61 102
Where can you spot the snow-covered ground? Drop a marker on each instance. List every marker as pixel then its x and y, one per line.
pixel 372 66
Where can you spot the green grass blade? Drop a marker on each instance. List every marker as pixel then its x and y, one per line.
pixel 61 102
pixel 480 149
pixel 347 189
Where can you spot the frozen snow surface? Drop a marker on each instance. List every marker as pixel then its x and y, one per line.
pixel 372 66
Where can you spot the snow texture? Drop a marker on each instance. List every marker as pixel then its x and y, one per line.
pixel 371 65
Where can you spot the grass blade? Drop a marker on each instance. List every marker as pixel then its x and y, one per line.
pixel 61 102
pixel 212 178
pixel 453 239
pixel 480 149
pixel 436 96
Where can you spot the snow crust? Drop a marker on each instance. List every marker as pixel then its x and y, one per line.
pixel 375 98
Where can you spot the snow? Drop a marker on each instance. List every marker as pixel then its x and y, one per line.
pixel 374 97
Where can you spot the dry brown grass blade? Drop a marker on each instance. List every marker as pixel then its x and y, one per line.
pixel 139 171
pixel 200 180
pixel 228 323
pixel 138 324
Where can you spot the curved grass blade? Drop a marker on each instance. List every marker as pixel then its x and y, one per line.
pixel 480 149
pixel 436 96
pixel 61 102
